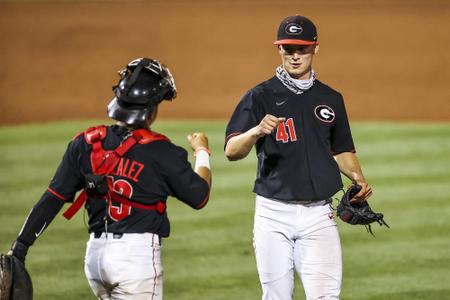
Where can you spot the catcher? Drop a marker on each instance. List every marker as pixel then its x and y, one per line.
pixel 126 172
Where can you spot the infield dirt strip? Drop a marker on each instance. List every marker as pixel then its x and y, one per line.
pixel 59 60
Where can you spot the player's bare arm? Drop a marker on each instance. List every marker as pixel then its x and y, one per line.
pixel 349 166
pixel 199 143
pixel 239 146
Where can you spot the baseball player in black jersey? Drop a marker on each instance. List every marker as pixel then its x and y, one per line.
pixel 126 172
pixel 300 129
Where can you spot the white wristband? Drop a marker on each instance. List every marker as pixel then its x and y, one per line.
pixel 202 159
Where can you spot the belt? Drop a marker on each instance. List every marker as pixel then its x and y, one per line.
pixel 119 235
pixel 98 234
pixel 305 202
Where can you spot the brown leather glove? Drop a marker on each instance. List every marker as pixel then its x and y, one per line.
pixel 15 282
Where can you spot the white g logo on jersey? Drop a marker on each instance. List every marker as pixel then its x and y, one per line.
pixel 324 113
pixel 293 29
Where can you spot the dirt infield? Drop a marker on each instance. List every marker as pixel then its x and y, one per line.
pixel 58 60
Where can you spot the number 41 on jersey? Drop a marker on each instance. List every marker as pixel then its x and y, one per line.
pixel 286 131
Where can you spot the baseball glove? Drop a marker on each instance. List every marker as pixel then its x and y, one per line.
pixel 358 213
pixel 15 282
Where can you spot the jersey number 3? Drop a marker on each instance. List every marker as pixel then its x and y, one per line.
pixel 122 211
pixel 286 135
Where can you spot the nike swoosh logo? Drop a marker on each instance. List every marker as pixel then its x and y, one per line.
pixel 280 103
pixel 42 229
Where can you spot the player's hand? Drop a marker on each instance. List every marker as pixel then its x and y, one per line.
pixel 198 139
pixel 268 124
pixel 364 193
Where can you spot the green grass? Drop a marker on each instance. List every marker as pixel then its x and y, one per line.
pixel 209 254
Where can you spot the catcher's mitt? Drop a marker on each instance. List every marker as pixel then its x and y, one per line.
pixel 358 213
pixel 15 282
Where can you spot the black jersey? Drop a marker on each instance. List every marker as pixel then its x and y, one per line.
pixel 295 162
pixel 147 173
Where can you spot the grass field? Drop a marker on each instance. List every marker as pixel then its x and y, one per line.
pixel 209 254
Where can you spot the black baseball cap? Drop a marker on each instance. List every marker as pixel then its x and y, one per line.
pixel 296 30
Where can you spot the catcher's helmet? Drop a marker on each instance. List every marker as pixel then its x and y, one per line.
pixel 143 84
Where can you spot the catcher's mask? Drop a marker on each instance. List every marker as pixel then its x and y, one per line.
pixel 143 84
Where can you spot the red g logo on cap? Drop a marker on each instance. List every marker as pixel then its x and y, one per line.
pixel 293 28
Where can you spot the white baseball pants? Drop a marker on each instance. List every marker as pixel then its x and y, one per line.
pixel 126 268
pixel 301 237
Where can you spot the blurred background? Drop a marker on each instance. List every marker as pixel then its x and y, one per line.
pixel 58 59
pixel 389 58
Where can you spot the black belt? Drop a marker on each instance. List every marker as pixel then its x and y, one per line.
pixel 98 234
pixel 117 235
pixel 306 202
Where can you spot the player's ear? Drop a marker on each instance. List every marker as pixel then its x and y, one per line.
pixel 316 49
pixel 279 49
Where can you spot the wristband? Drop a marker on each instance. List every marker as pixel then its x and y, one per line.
pixel 202 158
pixel 19 250
pixel 200 149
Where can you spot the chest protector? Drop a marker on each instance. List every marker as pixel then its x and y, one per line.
pixel 103 163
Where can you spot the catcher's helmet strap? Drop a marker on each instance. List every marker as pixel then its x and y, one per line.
pixel 135 74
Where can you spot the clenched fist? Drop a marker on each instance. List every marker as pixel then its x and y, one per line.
pixel 197 139
pixel 268 124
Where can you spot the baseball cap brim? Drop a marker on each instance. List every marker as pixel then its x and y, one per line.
pixel 127 115
pixel 295 42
